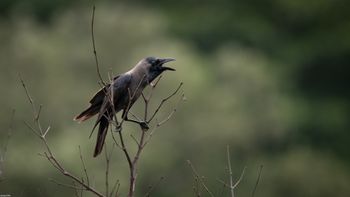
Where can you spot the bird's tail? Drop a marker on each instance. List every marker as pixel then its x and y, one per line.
pixel 88 113
pixel 101 135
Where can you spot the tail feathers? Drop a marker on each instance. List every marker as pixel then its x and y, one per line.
pixel 101 136
pixel 88 113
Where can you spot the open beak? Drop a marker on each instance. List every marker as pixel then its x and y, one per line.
pixel 163 61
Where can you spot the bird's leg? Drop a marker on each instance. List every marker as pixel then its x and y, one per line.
pixel 118 125
pixel 143 124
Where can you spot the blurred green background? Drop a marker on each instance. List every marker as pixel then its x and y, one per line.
pixel 269 78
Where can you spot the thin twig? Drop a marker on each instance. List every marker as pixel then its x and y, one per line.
pixel 115 141
pixel 115 188
pixel 232 186
pixel 3 151
pixel 117 191
pixel 107 170
pixel 66 185
pixel 108 157
pixel 195 187
pixel 76 192
pixel 94 46
pixel 84 167
pixel 171 113
pixel 125 150
pixel 135 140
pixel 31 101
pixel 230 171
pixel 9 134
pixel 152 187
pixel 257 180
pixel 196 175
pixel 38 131
pixel 163 101
pixel 146 100
pixel 240 178
pixel 163 121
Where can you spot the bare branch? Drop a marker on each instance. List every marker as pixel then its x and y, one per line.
pixel 38 131
pixel 200 179
pixel 31 101
pixel 232 186
pixel 135 116
pixel 152 187
pixel 223 183
pixel 153 85
pixel 162 102
pixel 38 114
pixel 84 167
pixel 108 159
pixel 107 170
pixel 146 100
pixel 115 188
pixel 133 137
pixel 115 141
pixel 240 178
pixel 26 90
pixel 94 46
pixel 46 131
pixel 67 185
pixel 230 171
pixel 125 150
pixel 171 113
pixel 9 134
pixel 3 150
pixel 32 129
pixel 163 121
pixel 196 187
pixel 257 180
pixel 76 191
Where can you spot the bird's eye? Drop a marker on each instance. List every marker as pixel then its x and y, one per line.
pixel 154 62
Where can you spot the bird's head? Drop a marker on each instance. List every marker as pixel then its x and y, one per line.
pixel 155 66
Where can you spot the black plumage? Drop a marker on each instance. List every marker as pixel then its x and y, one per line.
pixel 116 96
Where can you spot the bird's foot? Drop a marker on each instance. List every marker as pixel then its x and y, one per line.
pixel 144 126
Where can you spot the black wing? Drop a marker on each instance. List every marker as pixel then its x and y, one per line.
pixel 118 89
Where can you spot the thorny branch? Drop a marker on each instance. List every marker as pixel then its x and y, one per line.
pixel 48 154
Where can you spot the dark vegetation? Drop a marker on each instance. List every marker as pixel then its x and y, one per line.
pixel 269 78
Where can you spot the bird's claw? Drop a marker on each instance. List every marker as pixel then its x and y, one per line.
pixel 144 126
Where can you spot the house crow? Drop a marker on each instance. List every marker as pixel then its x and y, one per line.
pixel 121 94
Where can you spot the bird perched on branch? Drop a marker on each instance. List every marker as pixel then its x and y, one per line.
pixel 121 94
